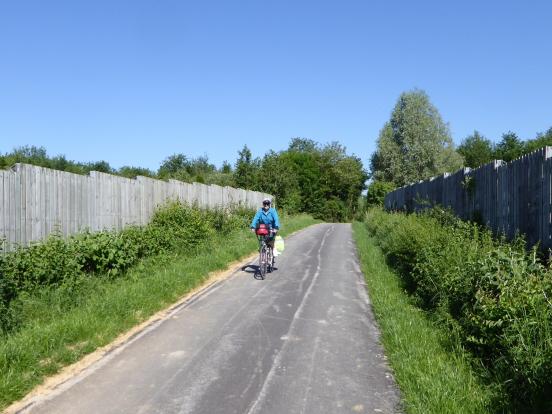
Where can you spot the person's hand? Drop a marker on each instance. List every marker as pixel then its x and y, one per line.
pixel 252 230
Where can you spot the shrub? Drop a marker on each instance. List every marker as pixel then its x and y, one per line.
pixel 46 263
pixel 495 294
pixel 332 210
pixel 58 262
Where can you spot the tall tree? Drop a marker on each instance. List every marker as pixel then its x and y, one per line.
pixel 414 144
pixel 247 168
pixel 476 150
pixel 226 167
pixel 509 148
pixel 278 177
pixel 172 165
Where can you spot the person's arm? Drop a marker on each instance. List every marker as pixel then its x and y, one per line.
pixel 276 219
pixel 255 219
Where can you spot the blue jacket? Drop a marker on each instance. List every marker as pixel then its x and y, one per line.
pixel 269 217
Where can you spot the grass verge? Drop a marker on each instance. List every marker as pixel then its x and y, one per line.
pixel 434 376
pixel 56 335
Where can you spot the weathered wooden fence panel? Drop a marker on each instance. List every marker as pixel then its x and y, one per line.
pixel 36 201
pixel 507 197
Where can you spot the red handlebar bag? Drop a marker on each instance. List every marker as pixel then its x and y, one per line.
pixel 262 230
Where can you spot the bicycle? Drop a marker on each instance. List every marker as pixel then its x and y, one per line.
pixel 266 253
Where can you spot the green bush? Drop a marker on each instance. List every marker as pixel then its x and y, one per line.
pixel 496 296
pixel 47 263
pixel 332 210
pixel 58 262
pixel 377 190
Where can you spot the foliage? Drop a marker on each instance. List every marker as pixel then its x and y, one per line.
pixel 476 150
pixel 509 148
pixel 276 178
pixel 541 140
pixel 433 372
pixel 179 167
pixel 307 177
pixel 415 144
pixel 57 261
pixel 377 190
pixel 247 169
pixel 492 294
pixel 176 166
pixel 38 156
pixel 133 172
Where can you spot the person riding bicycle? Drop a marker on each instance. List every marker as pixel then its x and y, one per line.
pixel 268 216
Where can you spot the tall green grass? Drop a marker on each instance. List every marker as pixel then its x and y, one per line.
pixel 59 324
pixel 434 376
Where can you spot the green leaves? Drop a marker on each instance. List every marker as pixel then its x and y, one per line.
pixel 414 144
pixel 321 180
pixel 476 150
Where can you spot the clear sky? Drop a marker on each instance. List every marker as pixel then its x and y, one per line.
pixel 131 82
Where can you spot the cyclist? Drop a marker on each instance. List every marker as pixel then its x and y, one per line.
pixel 269 216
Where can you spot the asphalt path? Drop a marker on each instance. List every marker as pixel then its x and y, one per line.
pixel 303 340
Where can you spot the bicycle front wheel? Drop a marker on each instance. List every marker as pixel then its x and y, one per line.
pixel 263 261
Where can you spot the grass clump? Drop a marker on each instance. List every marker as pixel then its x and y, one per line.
pixel 492 296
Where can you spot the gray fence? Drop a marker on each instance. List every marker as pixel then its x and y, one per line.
pixel 36 201
pixel 507 197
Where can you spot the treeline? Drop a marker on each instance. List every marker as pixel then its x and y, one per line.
pixel 322 180
pixel 416 144
pixel 478 150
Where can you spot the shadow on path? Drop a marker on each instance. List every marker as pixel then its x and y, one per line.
pixel 255 270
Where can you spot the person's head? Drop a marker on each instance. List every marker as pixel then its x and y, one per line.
pixel 266 203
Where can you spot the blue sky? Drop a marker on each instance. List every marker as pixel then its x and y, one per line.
pixel 131 82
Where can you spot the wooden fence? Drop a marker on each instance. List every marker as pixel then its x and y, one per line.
pixel 507 197
pixel 36 201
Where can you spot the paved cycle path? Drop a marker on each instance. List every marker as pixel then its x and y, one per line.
pixel 303 340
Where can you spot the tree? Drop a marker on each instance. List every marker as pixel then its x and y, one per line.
pixel 172 165
pixel 345 174
pixel 133 172
pixel 101 166
pixel 377 190
pixel 278 177
pixel 509 148
pixel 226 168
pixel 323 181
pixel 247 168
pixel 476 150
pixel 542 140
pixel 26 154
pixel 414 144
pixel 302 145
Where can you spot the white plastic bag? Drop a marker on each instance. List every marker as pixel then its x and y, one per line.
pixel 279 245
